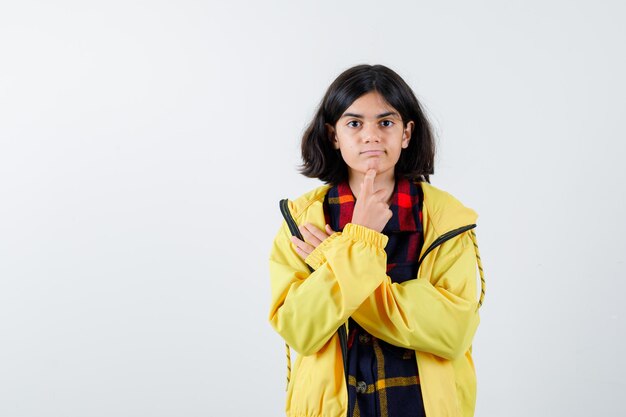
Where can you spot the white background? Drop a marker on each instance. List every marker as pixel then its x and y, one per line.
pixel 144 146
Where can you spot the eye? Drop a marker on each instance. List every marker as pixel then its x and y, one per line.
pixel 353 121
pixel 389 123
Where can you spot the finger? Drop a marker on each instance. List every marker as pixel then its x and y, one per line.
pixel 368 182
pixel 305 248
pixel 329 230
pixel 302 253
pixel 311 234
pixel 317 232
pixel 299 244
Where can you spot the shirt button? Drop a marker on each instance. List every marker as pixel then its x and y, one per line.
pixel 364 338
pixel 361 387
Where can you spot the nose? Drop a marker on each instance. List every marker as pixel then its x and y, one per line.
pixel 371 133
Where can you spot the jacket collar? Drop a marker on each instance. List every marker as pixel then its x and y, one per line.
pixel 441 211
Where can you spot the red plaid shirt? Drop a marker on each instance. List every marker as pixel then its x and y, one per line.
pixel 383 378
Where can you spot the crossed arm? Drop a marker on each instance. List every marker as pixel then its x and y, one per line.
pixel 435 313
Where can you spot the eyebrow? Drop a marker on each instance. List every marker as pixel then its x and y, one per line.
pixel 360 116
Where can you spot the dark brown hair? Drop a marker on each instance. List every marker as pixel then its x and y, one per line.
pixel 322 161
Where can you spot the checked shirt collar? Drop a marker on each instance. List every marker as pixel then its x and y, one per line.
pixel 404 205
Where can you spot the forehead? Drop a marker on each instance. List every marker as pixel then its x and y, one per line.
pixel 370 105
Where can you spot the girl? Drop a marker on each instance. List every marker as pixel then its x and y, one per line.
pixel 376 290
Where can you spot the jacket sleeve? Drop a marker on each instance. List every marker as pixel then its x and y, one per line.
pixel 308 307
pixel 437 313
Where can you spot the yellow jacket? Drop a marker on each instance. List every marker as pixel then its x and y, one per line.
pixel 435 314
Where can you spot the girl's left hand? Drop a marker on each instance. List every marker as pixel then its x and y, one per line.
pixel 313 236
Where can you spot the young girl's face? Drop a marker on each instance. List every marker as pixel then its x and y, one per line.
pixel 370 134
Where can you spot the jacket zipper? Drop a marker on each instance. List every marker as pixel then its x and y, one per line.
pixel 293 227
pixel 441 239
pixel 343 338
pixel 341 331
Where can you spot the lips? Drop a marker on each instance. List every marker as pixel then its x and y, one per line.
pixel 373 152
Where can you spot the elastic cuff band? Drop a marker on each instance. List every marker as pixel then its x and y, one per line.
pixel 359 232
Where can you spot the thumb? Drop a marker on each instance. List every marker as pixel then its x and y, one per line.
pixel 329 230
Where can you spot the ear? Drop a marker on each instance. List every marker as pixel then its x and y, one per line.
pixel 332 135
pixel 406 134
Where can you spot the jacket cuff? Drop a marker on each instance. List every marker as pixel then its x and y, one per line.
pixel 353 231
pixel 362 233
pixel 316 258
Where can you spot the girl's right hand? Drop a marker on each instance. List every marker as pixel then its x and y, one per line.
pixel 370 210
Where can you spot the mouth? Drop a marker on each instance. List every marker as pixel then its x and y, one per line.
pixel 374 152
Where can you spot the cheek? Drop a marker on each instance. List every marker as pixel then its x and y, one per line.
pixel 346 142
pixel 344 137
